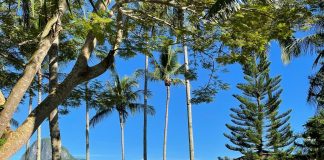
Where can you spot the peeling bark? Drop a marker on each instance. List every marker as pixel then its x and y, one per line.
pixel 2 99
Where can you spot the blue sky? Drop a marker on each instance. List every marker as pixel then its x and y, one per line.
pixel 208 119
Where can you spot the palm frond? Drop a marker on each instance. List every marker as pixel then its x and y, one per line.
pixel 14 122
pixel 100 115
pixel 318 58
pixel 295 47
pixel 177 81
pixel 138 107
pixel 222 9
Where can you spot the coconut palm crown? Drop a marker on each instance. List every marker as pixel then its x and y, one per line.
pixel 119 96
pixel 167 68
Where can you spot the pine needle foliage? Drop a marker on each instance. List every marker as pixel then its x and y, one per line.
pixel 258 130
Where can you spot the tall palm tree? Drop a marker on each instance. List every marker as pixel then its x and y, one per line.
pixel 119 96
pixel 180 18
pixel 166 70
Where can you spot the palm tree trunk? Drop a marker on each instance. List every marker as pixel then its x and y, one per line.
pixel 87 122
pixel 188 88
pixel 39 130
pixel 188 100
pixel 53 118
pixel 121 120
pixel 145 110
pixel 30 106
pixel 166 122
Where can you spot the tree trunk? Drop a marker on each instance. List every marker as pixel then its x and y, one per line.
pixel 30 107
pixel 122 123
pixel 260 128
pixel 188 89
pixel 166 122
pixel 188 102
pixel 34 64
pixel 39 130
pixel 2 99
pixel 87 122
pixel 80 73
pixel 53 118
pixel 145 110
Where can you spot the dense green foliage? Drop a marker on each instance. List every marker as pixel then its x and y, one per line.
pixel 216 32
pixel 313 138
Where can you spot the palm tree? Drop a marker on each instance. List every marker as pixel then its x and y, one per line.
pixel 180 18
pixel 166 70
pixel 119 96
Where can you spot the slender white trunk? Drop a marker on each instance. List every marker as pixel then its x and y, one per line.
pixel 145 110
pixel 166 122
pixel 39 130
pixel 122 123
pixel 188 102
pixel 87 123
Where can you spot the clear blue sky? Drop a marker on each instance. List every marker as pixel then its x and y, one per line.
pixel 208 119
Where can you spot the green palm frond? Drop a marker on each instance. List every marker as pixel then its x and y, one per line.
pixel 306 45
pixel 223 8
pixel 177 81
pixel 14 122
pixel 138 107
pixel 100 115
pixel 167 67
pixel 120 96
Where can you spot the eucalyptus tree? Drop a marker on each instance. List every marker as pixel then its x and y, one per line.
pixel 119 96
pixel 166 70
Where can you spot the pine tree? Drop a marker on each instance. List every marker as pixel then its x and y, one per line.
pixel 258 130
pixel 313 137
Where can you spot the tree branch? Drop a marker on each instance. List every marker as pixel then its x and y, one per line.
pixel 31 68
pixel 79 74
